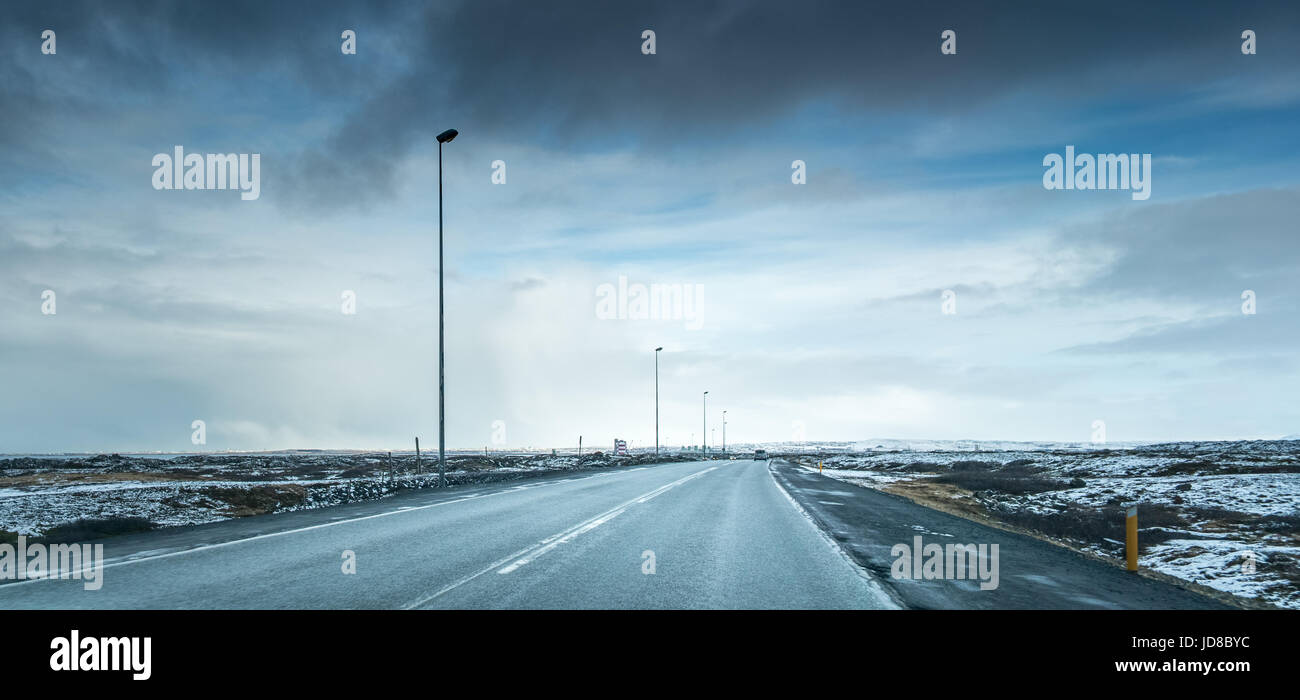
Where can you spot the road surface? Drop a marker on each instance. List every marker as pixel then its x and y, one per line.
pixel 1033 574
pixel 709 534
pixel 719 534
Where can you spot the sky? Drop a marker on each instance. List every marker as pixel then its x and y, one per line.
pixel 817 309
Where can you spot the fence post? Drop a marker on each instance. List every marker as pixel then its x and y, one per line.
pixel 1131 526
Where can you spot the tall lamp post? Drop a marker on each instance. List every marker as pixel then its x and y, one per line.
pixel 724 434
pixel 444 137
pixel 704 435
pixel 657 399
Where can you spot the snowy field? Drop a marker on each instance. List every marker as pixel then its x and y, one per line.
pixel 40 493
pixel 1221 514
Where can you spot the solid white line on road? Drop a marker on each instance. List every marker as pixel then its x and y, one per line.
pixel 830 541
pixel 137 559
pixel 509 564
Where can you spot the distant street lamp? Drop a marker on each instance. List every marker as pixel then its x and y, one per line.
pixel 704 435
pixel 657 399
pixel 724 433
pixel 444 137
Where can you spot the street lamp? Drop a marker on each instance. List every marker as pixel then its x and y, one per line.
pixel 704 435
pixel 724 434
pixel 657 399
pixel 444 137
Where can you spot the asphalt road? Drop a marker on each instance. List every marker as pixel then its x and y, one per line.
pixel 716 534
pixel 1032 574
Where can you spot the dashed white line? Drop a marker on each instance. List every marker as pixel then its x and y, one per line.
pixel 513 562
pixel 137 558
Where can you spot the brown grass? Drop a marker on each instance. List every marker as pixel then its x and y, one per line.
pixel 57 478
pixel 257 499
pixel 947 498
pixel 957 501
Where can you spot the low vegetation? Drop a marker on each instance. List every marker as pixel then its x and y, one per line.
pixel 91 529
pixel 257 500
pixel 1016 477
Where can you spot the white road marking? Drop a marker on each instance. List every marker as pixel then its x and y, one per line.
pixel 509 564
pixel 872 583
pixel 587 527
pixel 136 558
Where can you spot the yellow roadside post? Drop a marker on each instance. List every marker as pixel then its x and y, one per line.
pixel 819 467
pixel 1132 540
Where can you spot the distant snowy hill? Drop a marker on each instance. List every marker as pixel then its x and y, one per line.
pixel 922 445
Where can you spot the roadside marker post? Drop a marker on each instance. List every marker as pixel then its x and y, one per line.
pixel 418 467
pixel 1131 525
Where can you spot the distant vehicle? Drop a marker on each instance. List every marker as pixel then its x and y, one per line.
pixel 760 454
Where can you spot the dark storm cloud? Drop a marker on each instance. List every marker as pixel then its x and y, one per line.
pixel 571 74
pixel 149 46
pixel 115 59
pixel 724 63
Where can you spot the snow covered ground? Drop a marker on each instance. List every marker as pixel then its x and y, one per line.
pixel 41 493
pixel 1222 514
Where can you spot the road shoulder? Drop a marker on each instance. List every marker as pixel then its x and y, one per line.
pixel 1031 574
